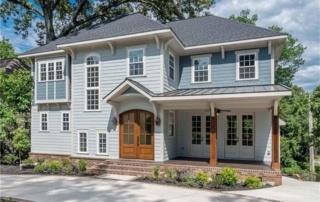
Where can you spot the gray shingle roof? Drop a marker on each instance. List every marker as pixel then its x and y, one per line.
pixel 214 29
pixel 191 32
pixel 11 65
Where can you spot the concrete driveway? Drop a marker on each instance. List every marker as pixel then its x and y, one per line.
pixel 72 189
pixel 291 190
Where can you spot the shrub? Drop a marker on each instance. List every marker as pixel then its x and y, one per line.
pixel 28 162
pixel 155 172
pixel 54 166
pixel 180 174
pixel 291 170
pixel 308 176
pixel 252 182
pixel 201 178
pixel 188 180
pixel 40 161
pixel 170 174
pixel 10 159
pixel 82 165
pixel 67 170
pixel 229 176
pixel 40 168
pixel 217 181
pixel 317 168
pixel 66 162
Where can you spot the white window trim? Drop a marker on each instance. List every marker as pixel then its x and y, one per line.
pixel 61 121
pixel 78 142
pixel 54 69
pixel 174 66
pixel 256 63
pixel 47 113
pixel 133 48
pixel 174 123
pixel 107 136
pixel 193 58
pixel 85 82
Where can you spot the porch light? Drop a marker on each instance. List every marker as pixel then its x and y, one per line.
pixel 114 121
pixel 157 121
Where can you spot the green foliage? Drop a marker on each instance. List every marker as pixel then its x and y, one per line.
pixel 6 50
pixel 54 166
pixel 82 165
pixel 294 135
pixel 188 180
pixel 317 168
pixel 10 159
pixel 67 170
pixel 40 168
pixel 291 170
pixel 252 182
pixel 28 162
pixel 217 181
pixel 66 162
pixel 155 172
pixel 229 176
pixel 170 174
pixel 40 161
pixel 315 109
pixel 308 176
pixel 244 17
pixel 201 178
pixel 55 19
pixel 21 140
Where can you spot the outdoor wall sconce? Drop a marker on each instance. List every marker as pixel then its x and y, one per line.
pixel 114 121
pixel 157 121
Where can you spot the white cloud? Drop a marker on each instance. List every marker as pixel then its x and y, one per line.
pixel 300 18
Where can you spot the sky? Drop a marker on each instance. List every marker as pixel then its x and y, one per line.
pixel 301 18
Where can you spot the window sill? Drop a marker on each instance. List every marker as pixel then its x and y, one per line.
pixel 99 154
pixel 200 82
pixel 83 153
pixel 64 131
pixel 247 79
pixel 136 76
pixel 88 111
pixel 44 131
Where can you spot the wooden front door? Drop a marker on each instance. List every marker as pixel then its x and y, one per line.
pixel 137 135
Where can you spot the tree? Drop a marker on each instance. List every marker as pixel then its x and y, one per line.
pixel 6 49
pixel 315 109
pixel 244 17
pixel 291 56
pixel 58 18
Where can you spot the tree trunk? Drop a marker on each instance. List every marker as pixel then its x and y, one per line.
pixel 47 7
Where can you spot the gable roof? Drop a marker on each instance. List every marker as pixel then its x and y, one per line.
pixel 190 32
pixel 213 29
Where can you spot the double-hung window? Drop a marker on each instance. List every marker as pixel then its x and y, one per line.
pixel 136 58
pixel 171 124
pixel 92 83
pixel 51 70
pixel 44 121
pixel 247 64
pixel 82 141
pixel 65 121
pixel 171 66
pixel 201 69
pixel 102 142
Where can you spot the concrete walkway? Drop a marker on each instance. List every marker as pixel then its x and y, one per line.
pixel 291 190
pixel 73 189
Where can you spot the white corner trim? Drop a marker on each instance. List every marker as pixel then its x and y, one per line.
pixel 272 66
pixel 212 109
pixel 42 53
pixel 162 69
pixel 275 108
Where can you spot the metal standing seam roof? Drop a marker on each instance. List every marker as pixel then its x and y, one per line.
pixel 210 91
pixel 191 32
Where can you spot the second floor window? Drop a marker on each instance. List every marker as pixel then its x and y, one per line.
pixel 201 69
pixel 43 72
pixel 136 64
pixel 247 65
pixel 92 82
pixel 59 71
pixel 51 70
pixel 171 66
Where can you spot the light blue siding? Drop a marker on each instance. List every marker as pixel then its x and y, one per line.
pixel 223 71
pixel 41 91
pixel 170 143
pixel 51 90
pixel 61 89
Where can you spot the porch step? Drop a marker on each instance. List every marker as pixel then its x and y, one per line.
pixel 130 163
pixel 124 167
pixel 100 171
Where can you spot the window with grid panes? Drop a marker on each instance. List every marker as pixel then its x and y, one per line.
pixel 50 71
pixel 65 121
pixel 171 124
pixel 92 83
pixel 171 66
pixel 43 72
pixel 102 143
pixel 136 62
pixel 201 70
pixel 83 142
pixel 59 71
pixel 247 66
pixel 44 122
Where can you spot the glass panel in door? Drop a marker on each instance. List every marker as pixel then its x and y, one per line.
pixel 145 128
pixel 232 138
pixel 196 130
pixel 128 128
pixel 247 130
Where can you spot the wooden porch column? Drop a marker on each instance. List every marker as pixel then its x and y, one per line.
pixel 275 164
pixel 213 140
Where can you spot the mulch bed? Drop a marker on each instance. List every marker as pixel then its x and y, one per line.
pixel 238 187
pixel 8 169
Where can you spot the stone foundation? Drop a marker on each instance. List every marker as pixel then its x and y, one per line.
pixel 125 166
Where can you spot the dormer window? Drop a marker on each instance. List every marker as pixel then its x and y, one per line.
pixel 247 65
pixel 136 61
pixel 51 70
pixel 201 68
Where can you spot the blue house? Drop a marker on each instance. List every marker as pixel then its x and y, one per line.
pixel 133 88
